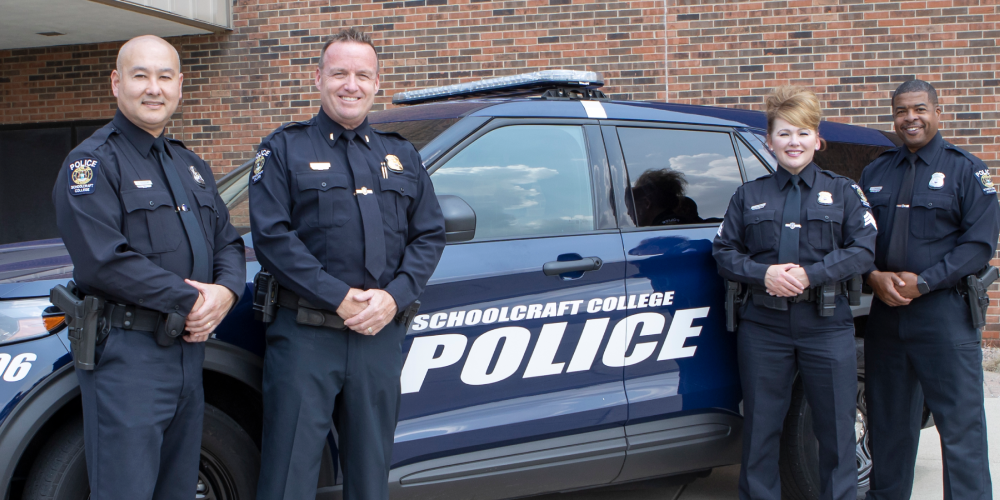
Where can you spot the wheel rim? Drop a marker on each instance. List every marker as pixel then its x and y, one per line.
pixel 863 452
pixel 214 480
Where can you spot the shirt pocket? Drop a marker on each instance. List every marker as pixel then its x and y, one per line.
pixel 761 232
pixel 151 221
pixel 880 205
pixel 209 215
pixel 397 194
pixel 824 225
pixel 332 195
pixel 930 215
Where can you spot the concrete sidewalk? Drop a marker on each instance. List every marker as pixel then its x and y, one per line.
pixel 722 483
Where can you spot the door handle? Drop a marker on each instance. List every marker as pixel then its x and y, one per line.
pixel 558 267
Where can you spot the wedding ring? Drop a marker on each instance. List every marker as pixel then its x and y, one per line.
pixel 369 330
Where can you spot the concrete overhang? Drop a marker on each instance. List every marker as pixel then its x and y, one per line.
pixel 43 23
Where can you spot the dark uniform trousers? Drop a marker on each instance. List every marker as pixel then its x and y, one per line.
pixel 307 369
pixel 143 400
pixel 929 344
pixel 771 347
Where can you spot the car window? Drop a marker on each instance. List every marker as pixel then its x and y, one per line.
pixel 523 180
pixel 751 164
pixel 679 176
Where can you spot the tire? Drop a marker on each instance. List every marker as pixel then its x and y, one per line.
pixel 799 462
pixel 227 470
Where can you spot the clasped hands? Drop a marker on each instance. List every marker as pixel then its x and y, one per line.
pixel 894 289
pixel 367 311
pixel 214 302
pixel 786 280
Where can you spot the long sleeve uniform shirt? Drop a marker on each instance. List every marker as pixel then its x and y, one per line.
pixel 119 223
pixel 837 238
pixel 306 221
pixel 954 213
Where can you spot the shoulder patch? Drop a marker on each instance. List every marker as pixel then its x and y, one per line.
pixel 861 194
pixel 81 175
pixel 985 181
pixel 257 172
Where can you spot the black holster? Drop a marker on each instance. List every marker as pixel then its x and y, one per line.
pixel 826 301
pixel 85 320
pixel 406 317
pixel 169 329
pixel 265 297
pixel 734 299
pixel 854 286
pixel 976 293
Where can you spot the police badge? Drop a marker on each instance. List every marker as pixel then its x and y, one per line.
pixel 258 165
pixel 393 164
pixel 824 198
pixel 937 181
pixel 197 176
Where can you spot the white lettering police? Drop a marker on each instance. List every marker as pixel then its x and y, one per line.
pixel 438 351
pixel 81 176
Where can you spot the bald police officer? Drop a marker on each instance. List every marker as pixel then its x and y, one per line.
pixel 938 221
pixel 144 224
pixel 345 218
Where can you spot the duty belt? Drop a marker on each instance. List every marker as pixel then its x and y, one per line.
pixel 306 313
pixel 130 317
pixel 813 294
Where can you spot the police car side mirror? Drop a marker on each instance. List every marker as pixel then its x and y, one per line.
pixel 459 218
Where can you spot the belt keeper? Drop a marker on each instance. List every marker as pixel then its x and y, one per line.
pixel 128 322
pixel 307 316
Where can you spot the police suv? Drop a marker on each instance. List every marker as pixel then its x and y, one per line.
pixel 572 336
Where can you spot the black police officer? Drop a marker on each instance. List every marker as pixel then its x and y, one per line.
pixel 939 220
pixel 117 201
pixel 346 219
pixel 784 236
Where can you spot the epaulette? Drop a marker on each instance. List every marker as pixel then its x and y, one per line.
pixel 97 139
pixel 767 176
pixel 176 141
pixel 391 134
pixel 971 157
pixel 285 127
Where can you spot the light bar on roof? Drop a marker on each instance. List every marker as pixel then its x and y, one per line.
pixel 528 81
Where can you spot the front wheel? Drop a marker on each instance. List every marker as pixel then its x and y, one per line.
pixel 227 469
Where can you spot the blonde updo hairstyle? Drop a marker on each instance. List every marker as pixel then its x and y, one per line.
pixel 796 105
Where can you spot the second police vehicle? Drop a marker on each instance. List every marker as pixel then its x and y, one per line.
pixel 572 336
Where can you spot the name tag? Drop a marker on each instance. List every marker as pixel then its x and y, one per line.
pixel 143 184
pixel 320 165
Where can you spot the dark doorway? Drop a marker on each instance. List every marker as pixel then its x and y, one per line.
pixel 30 158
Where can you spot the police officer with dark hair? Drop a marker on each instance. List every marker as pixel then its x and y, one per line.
pixel 938 220
pixel 149 235
pixel 345 218
pixel 794 239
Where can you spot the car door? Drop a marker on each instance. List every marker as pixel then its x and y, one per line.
pixel 503 388
pixel 679 362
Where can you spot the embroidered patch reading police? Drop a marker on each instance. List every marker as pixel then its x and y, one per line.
pixel 861 194
pixel 393 163
pixel 987 182
pixel 197 176
pixel 81 176
pixel 258 164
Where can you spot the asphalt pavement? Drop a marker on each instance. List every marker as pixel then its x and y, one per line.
pixel 721 484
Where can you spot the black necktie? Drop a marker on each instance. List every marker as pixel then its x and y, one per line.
pixel 202 266
pixel 371 215
pixel 895 257
pixel 788 245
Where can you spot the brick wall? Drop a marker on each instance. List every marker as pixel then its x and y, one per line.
pixel 241 85
pixel 852 53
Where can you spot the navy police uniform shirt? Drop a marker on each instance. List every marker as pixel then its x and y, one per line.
pixel 306 221
pixel 954 213
pixel 838 232
pixel 117 218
